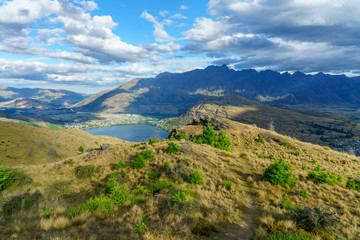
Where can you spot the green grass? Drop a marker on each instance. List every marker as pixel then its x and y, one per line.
pixel 286 144
pixel 142 157
pixel 166 165
pixel 153 175
pixel 120 164
pixel 173 148
pixel 353 184
pixel 325 177
pixel 5 177
pixel 289 236
pixel 227 184
pixel 46 212
pixel 196 178
pixel 261 139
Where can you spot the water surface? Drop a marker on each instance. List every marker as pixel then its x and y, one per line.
pixel 131 132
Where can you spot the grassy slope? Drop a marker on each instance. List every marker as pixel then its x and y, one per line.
pixel 302 124
pixel 22 144
pixel 56 187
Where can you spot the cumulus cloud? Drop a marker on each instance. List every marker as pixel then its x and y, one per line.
pixel 178 16
pixel 279 34
pixel 183 7
pixel 91 37
pixel 159 33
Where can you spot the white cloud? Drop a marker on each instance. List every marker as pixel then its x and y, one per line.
pixel 183 7
pixel 159 33
pixel 163 13
pixel 178 16
pixel 205 29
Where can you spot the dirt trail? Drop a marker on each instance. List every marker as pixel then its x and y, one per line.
pixel 247 230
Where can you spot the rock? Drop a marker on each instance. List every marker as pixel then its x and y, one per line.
pixel 217 123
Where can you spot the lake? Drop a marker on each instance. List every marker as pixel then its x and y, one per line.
pixel 131 132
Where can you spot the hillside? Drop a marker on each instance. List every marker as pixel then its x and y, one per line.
pixel 173 93
pixel 22 144
pixel 34 97
pixel 24 103
pixel 197 192
pixel 305 125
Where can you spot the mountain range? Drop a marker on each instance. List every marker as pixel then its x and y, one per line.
pixel 37 98
pixel 174 93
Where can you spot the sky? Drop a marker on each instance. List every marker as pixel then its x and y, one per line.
pixel 89 46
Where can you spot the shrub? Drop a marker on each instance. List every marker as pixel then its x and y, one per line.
pixel 179 197
pixel 205 229
pixel 227 184
pixel 159 185
pixel 286 144
pixel 272 156
pixel 153 140
pixel 166 165
pixel 119 195
pixel 297 153
pixel 223 142
pixel 5 177
pixel 303 193
pixel 279 173
pixel 325 177
pixel 86 171
pixel 141 190
pixel 141 226
pixel 312 219
pixel 210 137
pixel 186 161
pixel 120 164
pixel 46 212
pixel 261 156
pixel 81 149
pixel 261 139
pixel 196 178
pixel 313 161
pixel 153 175
pixel 290 236
pixel 287 203
pixel 181 135
pixel 304 167
pixel 141 159
pixel 318 168
pixel 173 148
pixel 74 211
pixel 353 184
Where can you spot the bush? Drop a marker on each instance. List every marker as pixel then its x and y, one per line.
pixel 196 178
pixel 173 148
pixel 303 193
pixel 325 177
pixel 5 177
pixel 287 203
pixel 313 219
pixel 159 185
pixel 81 149
pixel 261 156
pixel 318 168
pixel 87 171
pixel 46 212
pixel 279 173
pixel 74 211
pixel 210 137
pixel 153 140
pixel 120 164
pixel 120 194
pixel 111 183
pixel 141 190
pixel 181 135
pixel 142 157
pixel 272 156
pixel 166 165
pixel 261 139
pixel 179 197
pixel 290 236
pixel 153 175
pixel 286 144
pixel 141 226
pixel 304 167
pixel 297 153
pixel 353 184
pixel 227 184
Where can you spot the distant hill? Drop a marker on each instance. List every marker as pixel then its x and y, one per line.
pixel 174 93
pixel 306 125
pixel 38 98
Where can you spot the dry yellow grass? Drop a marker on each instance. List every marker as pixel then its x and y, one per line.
pixel 59 189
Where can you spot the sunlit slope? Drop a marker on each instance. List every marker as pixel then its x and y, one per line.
pixel 22 144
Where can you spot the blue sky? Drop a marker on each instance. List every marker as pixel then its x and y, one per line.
pixel 88 46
